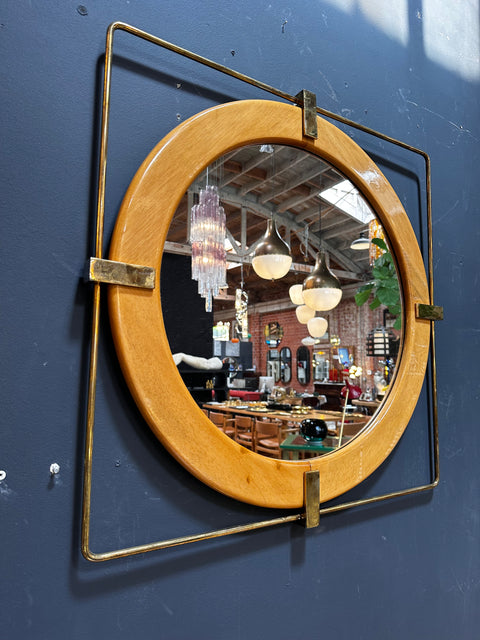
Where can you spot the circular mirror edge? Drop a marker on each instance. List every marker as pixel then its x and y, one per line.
pixel 169 410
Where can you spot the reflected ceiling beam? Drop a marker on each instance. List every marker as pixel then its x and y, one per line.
pixel 343 260
pixel 297 267
pixel 299 180
pixel 230 195
pixel 284 166
pixel 312 212
pixel 254 162
pixel 275 305
pixel 294 201
pixel 347 228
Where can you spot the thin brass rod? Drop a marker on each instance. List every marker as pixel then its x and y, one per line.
pixel 88 454
pixel 253 82
pixel 92 381
pixel 386 496
pixel 175 542
pixel 92 376
pixel 436 453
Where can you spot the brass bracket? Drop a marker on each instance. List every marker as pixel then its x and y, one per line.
pixel 130 275
pixel 311 486
pixel 308 101
pixel 428 312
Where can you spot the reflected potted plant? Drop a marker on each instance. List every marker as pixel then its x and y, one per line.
pixel 384 287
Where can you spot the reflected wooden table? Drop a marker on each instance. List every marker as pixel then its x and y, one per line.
pixel 284 416
pixel 370 405
pixel 295 444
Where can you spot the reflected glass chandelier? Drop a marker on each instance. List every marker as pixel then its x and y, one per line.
pixel 207 237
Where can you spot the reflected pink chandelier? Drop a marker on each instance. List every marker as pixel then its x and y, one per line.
pixel 207 237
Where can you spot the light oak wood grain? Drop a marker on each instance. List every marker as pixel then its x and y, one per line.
pixel 138 328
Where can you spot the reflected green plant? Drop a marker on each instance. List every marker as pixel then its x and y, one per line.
pixel 384 287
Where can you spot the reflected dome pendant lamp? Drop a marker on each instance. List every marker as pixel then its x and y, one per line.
pixel 317 327
pixel 362 243
pixel 272 257
pixel 321 289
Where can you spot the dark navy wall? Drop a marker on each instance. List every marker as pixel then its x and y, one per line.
pixel 408 569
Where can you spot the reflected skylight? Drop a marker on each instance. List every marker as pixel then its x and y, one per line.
pixel 347 198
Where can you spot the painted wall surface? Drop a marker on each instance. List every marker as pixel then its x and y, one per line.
pixel 406 569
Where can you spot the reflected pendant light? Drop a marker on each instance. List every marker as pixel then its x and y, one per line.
pixel 296 294
pixel 317 327
pixel 308 341
pixel 272 257
pixel 304 313
pixel 321 289
pixel 362 243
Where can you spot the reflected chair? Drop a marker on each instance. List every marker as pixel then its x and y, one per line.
pixel 352 427
pixel 268 435
pixel 244 431
pixel 222 422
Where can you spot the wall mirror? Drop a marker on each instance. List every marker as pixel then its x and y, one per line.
pixel 303 365
pixel 273 365
pixel 143 225
pixel 285 365
pixel 315 206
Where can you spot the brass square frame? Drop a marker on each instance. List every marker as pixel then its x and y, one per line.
pixel 432 313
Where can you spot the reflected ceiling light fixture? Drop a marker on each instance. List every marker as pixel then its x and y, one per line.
pixel 321 289
pixel 308 341
pixel 207 237
pixel 317 327
pixel 272 259
pixel 362 243
pixel 296 294
pixel 304 313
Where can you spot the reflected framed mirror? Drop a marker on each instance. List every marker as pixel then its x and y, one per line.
pixel 285 365
pixel 273 365
pixel 303 365
pixel 141 231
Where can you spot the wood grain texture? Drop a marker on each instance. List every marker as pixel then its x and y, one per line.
pixel 139 333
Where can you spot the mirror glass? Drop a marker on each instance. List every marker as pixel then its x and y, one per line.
pixel 303 365
pixel 285 365
pixel 273 365
pixel 221 348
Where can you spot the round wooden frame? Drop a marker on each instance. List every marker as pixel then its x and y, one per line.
pixel 139 333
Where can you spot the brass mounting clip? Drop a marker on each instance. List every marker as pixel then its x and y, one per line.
pixel 112 272
pixel 311 485
pixel 428 312
pixel 308 101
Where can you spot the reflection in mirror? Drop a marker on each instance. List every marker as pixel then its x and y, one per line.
pixel 273 365
pixel 285 365
pixel 227 312
pixel 303 365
